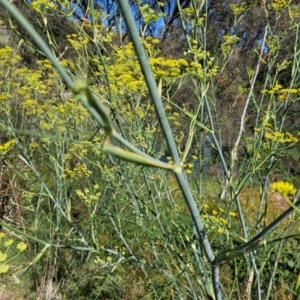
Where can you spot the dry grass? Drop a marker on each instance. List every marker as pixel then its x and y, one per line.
pixel 272 206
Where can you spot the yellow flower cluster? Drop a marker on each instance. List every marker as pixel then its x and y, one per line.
pixel 6 146
pixel 168 68
pixel 7 59
pixel 191 15
pixel 283 187
pixel 188 168
pixel 88 196
pixel 282 93
pixel 77 41
pixel 149 14
pixel 294 11
pixel 6 254
pixel 195 67
pixel 21 246
pixel 281 137
pixel 218 222
pixel 80 171
pixel 279 4
pixel 124 73
pixel 43 6
pixel 215 220
pixel 229 42
pixel 189 11
pixel 40 93
pixel 237 9
pixel 273 43
pixel 282 65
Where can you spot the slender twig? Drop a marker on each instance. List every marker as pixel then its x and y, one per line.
pixel 255 242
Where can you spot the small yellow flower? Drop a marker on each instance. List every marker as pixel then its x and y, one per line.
pixel 3 256
pixel 221 230
pixel 22 246
pixel 214 212
pixel 224 221
pixel 6 146
pixel 264 91
pixel 232 214
pixel 4 268
pixel 2 234
pixel 8 242
pixel 205 206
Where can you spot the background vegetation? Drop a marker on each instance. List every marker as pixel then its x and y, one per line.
pixel 81 220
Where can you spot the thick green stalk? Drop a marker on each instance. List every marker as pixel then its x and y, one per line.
pixel 149 79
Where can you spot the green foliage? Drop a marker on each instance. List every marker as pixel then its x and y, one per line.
pixel 99 225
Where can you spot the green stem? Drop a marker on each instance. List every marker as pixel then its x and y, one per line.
pixel 181 179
